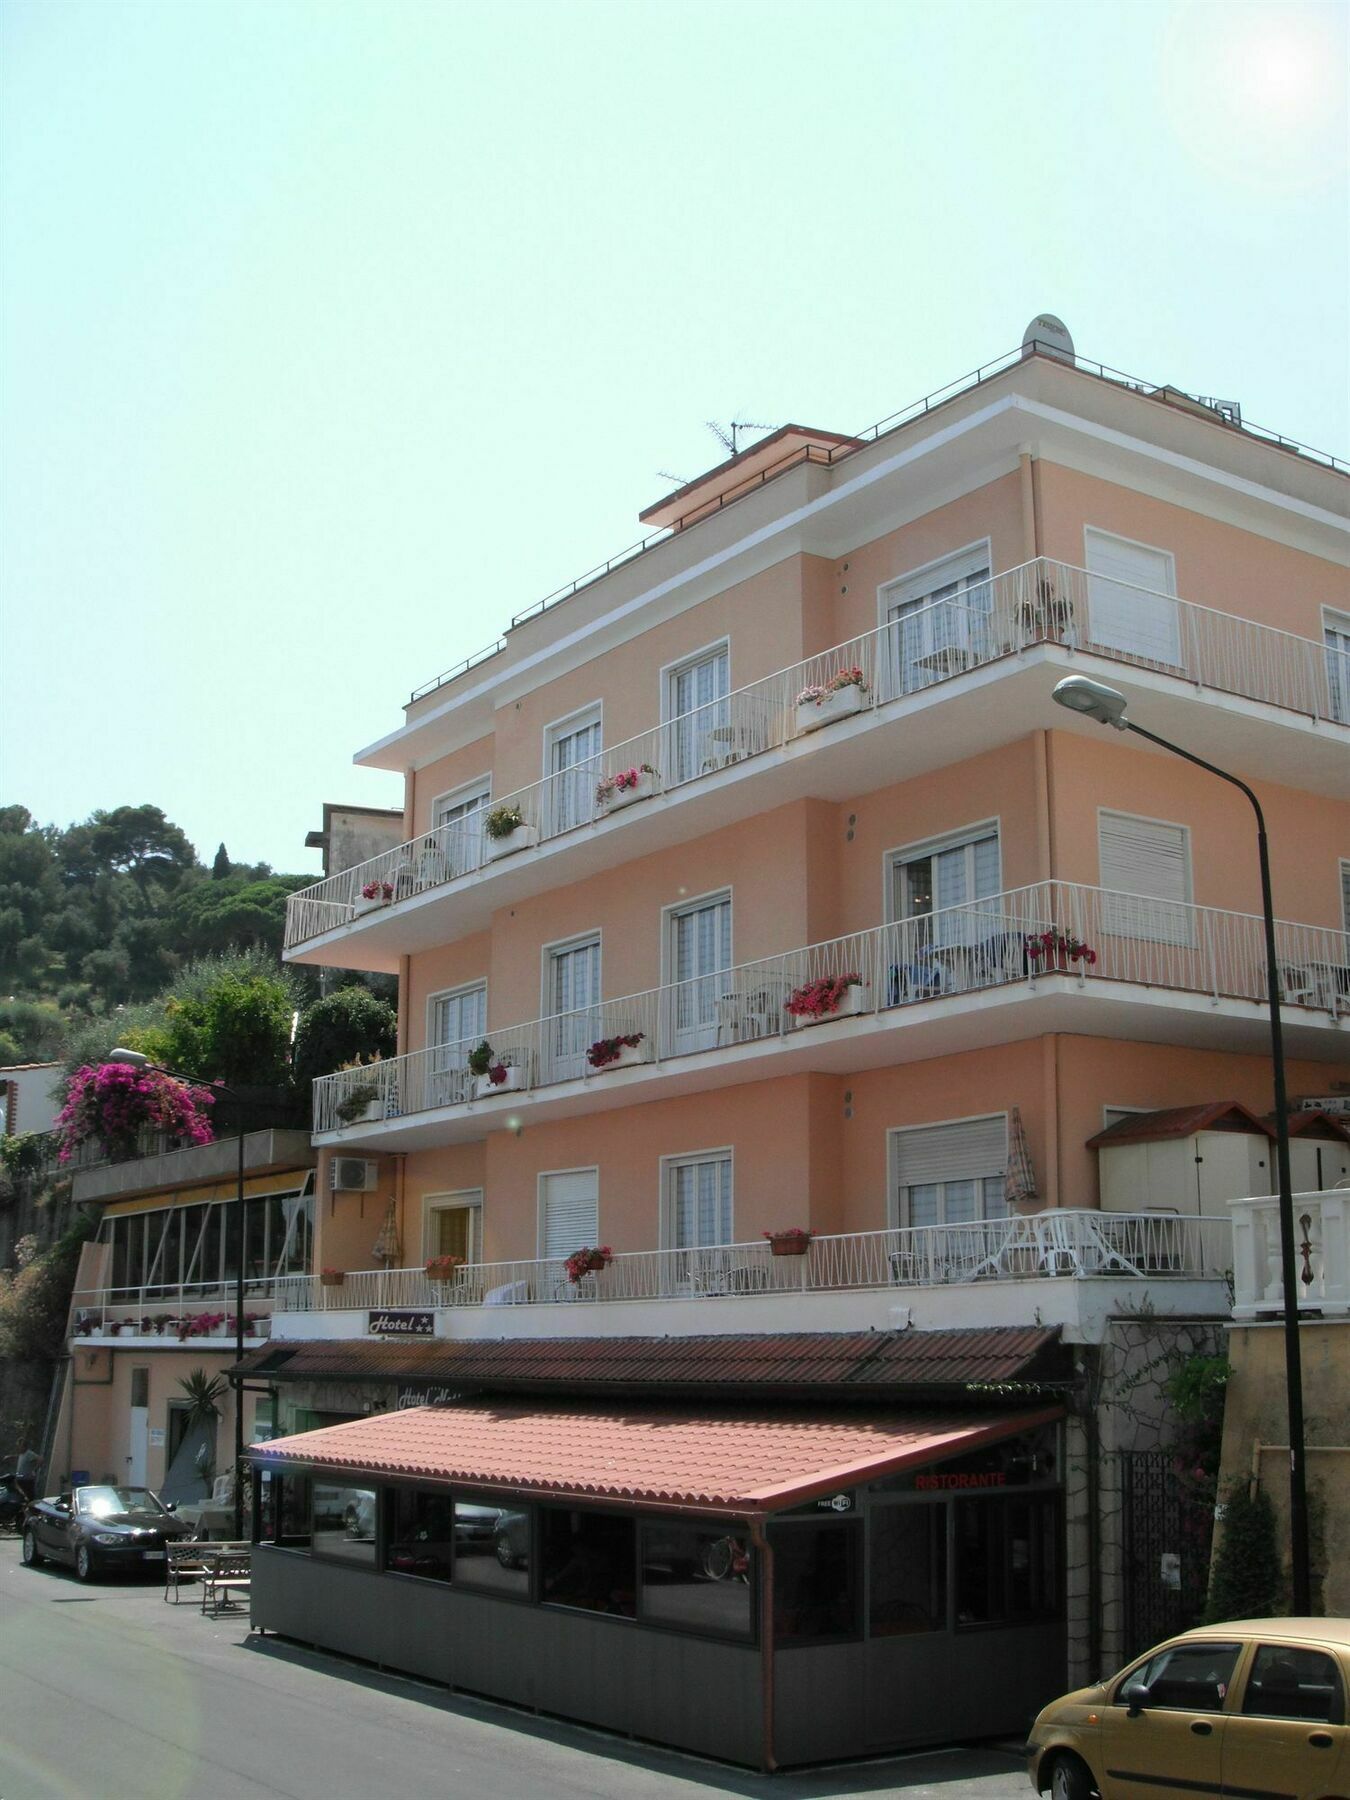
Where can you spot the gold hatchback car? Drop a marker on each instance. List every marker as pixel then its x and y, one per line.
pixel 1251 1710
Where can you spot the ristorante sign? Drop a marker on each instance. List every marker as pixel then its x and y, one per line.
pixel 402 1321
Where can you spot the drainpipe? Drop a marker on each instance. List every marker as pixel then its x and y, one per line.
pixel 1031 537
pixel 759 1538
pixel 1094 1490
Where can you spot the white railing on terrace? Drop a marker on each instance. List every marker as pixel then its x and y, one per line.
pixel 1084 1244
pixel 1321 1259
pixel 1039 602
pixel 997 942
pixel 188 1310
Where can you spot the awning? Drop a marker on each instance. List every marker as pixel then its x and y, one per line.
pixel 659 1458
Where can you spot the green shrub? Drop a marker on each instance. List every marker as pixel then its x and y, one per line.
pixel 352 1025
pixel 1246 1580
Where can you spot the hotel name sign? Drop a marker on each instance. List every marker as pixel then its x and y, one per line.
pixel 402 1321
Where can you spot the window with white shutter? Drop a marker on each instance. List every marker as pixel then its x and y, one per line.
pixel 951 1174
pixel 569 1212
pixel 1145 869
pixel 1131 597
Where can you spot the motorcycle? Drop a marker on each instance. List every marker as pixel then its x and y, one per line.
pixel 13 1502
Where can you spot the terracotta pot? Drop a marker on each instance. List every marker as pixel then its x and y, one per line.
pixel 332 1278
pixel 789 1246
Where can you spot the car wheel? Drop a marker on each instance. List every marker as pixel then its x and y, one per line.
pixel 506 1556
pixel 84 1569
pixel 32 1556
pixel 1070 1780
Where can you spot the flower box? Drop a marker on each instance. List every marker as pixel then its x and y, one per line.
pixel 851 1002
pixel 628 1058
pixel 842 703
pixel 511 1082
pixel 612 797
pixel 623 1051
pixel 332 1277
pixel 362 905
pixel 789 1243
pixel 524 837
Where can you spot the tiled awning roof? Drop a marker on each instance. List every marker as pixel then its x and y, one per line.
pixel 661 1457
pixel 1181 1122
pixel 869 1363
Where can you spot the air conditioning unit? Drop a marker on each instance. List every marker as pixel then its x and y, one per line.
pixel 352 1175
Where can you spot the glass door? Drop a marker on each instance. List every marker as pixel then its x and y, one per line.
pixel 939 631
pixel 699 730
pixel 574 1009
pixel 458 1022
pixel 1337 633
pixel 700 956
pixel 573 769
pixel 461 845
pixel 945 950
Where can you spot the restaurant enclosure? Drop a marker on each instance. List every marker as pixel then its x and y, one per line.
pixel 770 1584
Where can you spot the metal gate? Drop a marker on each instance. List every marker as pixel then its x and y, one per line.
pixel 1166 1532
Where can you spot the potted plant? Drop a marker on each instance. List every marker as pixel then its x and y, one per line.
pixel 793 1242
pixel 829 997
pixel 362 1100
pixel 441 1269
pixel 373 894
pixel 492 1073
pixel 626 786
pixel 619 1052
pixel 838 696
pixel 1057 949
pixel 506 830
pixel 587 1261
pixel 332 1277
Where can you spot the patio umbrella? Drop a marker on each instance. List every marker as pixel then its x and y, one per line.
pixel 1019 1178
pixel 387 1247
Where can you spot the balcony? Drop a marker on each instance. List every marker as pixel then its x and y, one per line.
pixel 1322 1256
pixel 1270 701
pixel 975 1273
pixel 199 1314
pixel 1069 958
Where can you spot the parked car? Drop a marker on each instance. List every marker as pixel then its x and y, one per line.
pixel 1257 1706
pixel 99 1528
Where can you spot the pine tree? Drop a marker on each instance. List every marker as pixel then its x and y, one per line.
pixel 220 868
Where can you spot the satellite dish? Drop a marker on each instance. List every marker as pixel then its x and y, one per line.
pixel 1049 335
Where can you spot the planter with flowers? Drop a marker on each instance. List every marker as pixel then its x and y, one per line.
pixel 621 1052
pixel 373 894
pixel 1057 949
pixel 626 786
pixel 506 829
pixel 838 697
pixel 492 1074
pixel 441 1269
pixel 332 1277
pixel 792 1242
pixel 586 1261
pixel 832 997
pixel 362 1101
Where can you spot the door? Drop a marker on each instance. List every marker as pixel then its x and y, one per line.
pixel 453 1230
pixel 700 955
pixel 573 770
pixel 461 842
pixel 952 950
pixel 938 622
pixel 138 1439
pixel 699 1218
pixel 1131 600
pixel 698 734
pixel 1174 1743
pixel 573 1006
pixel 569 1206
pixel 1290 1736
pixel 458 1022
pixel 1337 633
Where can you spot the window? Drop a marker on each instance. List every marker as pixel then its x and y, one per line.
pixel 588 1560
pixel 1145 868
pixel 953 943
pixel 907 1581
pixel 698 732
pixel 570 766
pixel 1345 900
pixel 572 1006
pixel 1007 1560
pixel 419 1529
pixel 817 1583
pixel 285 1509
pixel 698 1202
pixel 1190 1677
pixel 1336 631
pixel 492 1547
pixel 951 1174
pixel 344 1523
pixel 699 955
pixel 454 1226
pixel 1288 1682
pixel 697 1579
pixel 193 1245
pixel 569 1207
pixel 461 813
pixel 939 621
pixel 456 1021
pixel 1131 600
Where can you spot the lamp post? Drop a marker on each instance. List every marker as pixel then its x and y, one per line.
pixel 1094 700
pixel 138 1060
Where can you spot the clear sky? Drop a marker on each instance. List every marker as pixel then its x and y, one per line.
pixel 335 333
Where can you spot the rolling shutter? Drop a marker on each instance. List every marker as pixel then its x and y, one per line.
pixel 1152 860
pixel 967 1150
pixel 1128 597
pixel 571 1213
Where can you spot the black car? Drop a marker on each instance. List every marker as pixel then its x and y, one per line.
pixel 101 1528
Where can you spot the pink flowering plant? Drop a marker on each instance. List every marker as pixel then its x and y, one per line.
pixel 378 890
pixel 1057 945
pixel 111 1104
pixel 587 1261
pixel 794 1234
pixel 819 692
pixel 622 782
pixel 607 1050
pixel 818 999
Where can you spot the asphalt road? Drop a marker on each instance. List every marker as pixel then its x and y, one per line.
pixel 106 1693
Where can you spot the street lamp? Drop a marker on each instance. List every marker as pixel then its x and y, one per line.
pixel 1094 700
pixel 138 1060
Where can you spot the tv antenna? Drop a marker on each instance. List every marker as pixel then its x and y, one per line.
pixel 726 434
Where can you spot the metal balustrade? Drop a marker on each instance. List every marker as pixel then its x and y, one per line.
pixel 187 1311
pixel 1321 1255
pixel 1011 939
pixel 1039 602
pixel 1071 1244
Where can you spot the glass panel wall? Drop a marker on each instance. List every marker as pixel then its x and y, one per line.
pixel 907 1578
pixel 588 1560
pixel 418 1533
pixel 344 1523
pixel 817 1583
pixel 698 1579
pixel 492 1547
pixel 194 1244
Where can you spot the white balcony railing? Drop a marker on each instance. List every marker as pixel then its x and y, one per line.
pixel 1009 939
pixel 186 1312
pixel 1139 1246
pixel 1322 1255
pixel 1038 602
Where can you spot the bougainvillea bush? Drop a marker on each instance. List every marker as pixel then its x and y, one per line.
pixel 111 1104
